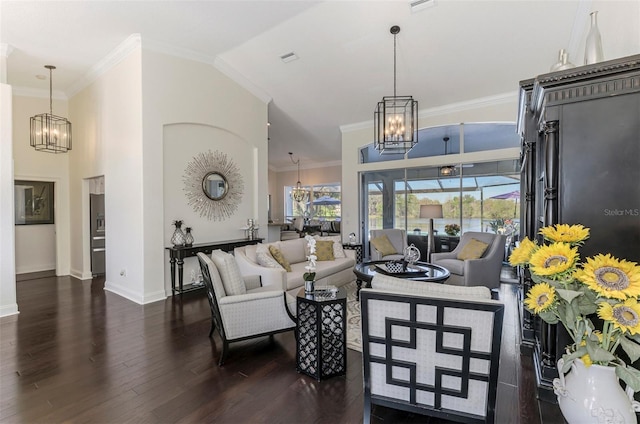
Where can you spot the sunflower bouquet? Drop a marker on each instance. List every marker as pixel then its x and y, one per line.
pixel 570 292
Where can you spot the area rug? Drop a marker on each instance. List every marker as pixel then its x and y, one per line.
pixel 354 334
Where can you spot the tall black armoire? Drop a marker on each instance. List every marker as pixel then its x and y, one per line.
pixel 580 131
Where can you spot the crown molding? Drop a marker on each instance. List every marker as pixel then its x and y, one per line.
pixel 38 92
pixel 497 99
pixel 114 57
pixel 160 47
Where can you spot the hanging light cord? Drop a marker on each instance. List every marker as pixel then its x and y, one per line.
pixel 50 68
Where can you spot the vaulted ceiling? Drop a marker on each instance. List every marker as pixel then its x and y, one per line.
pixel 448 51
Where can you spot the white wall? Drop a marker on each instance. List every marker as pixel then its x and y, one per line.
pixel 108 141
pixel 497 109
pixel 191 107
pixel 8 304
pixel 41 247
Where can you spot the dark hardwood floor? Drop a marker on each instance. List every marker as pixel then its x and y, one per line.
pixel 76 353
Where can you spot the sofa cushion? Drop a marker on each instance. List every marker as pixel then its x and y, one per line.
pixel 294 250
pixel 474 249
pixel 324 250
pixel 264 258
pixel 279 257
pixel 383 245
pixel 323 270
pixel 338 251
pixel 229 273
pixel 399 285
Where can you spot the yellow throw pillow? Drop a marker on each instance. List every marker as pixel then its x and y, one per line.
pixel 473 250
pixel 324 250
pixel 279 257
pixel 383 245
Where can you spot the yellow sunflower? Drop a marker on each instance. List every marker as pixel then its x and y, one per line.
pixel 586 359
pixel 565 233
pixel 553 260
pixel 610 277
pixel 625 316
pixel 540 297
pixel 522 253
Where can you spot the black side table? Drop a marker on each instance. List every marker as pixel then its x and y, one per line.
pixel 321 347
pixel 357 247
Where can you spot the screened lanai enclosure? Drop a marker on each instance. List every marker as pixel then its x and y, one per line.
pixel 475 195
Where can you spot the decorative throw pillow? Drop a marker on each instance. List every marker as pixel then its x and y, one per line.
pixel 383 245
pixel 474 249
pixel 279 257
pixel 324 250
pixel 264 257
pixel 338 251
pixel 229 273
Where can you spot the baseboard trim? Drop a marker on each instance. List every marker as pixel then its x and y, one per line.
pixel 35 275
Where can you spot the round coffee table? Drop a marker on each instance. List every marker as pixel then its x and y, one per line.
pixel 423 271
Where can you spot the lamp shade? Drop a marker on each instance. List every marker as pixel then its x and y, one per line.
pixel 430 211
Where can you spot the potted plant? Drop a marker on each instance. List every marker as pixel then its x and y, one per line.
pixel 310 276
pixel 571 293
pixel 452 229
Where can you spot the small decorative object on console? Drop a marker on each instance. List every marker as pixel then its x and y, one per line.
pixel 178 237
pixel 188 237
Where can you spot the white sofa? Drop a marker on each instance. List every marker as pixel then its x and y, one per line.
pixel 336 272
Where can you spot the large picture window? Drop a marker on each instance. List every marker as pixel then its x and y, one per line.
pixel 322 202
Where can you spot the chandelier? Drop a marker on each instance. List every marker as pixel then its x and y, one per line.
pixel 298 193
pixel 396 117
pixel 447 170
pixel 50 133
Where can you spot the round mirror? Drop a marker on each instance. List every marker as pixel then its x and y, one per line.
pixel 215 186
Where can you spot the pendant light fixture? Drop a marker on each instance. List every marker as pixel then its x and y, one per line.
pixel 447 170
pixel 396 117
pixel 297 193
pixel 50 133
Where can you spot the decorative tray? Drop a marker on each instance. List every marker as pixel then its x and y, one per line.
pixel 412 270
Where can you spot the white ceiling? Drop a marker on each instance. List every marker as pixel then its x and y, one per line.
pixel 454 51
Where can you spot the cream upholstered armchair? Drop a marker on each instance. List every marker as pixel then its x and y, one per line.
pixel 240 308
pixel 430 349
pixel 387 244
pixel 476 261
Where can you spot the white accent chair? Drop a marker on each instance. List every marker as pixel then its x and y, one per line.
pixel 484 271
pixel 257 311
pixel 398 239
pixel 430 349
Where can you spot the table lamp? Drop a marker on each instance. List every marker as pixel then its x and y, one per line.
pixel 431 212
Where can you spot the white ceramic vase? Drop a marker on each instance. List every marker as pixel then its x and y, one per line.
pixel 593 395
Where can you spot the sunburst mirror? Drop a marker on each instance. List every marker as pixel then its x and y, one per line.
pixel 213 185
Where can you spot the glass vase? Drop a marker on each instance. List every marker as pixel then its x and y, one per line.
pixel 188 237
pixel 178 237
pixel 593 48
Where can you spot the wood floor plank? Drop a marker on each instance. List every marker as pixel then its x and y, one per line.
pixel 76 353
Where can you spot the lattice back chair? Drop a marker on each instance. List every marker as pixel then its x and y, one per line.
pixel 216 320
pixel 241 308
pixel 436 353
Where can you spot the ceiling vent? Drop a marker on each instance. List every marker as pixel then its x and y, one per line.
pixel 418 5
pixel 289 57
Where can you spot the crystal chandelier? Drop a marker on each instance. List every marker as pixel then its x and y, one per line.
pixel 298 193
pixel 395 117
pixel 50 133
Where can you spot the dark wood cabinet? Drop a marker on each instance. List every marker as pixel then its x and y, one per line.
pixel 580 132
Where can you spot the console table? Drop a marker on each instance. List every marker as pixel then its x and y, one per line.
pixel 178 253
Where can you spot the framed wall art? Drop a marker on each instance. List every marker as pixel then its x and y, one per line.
pixel 33 202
